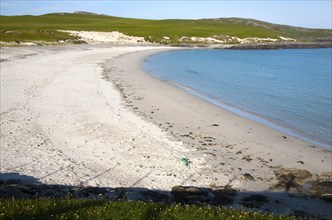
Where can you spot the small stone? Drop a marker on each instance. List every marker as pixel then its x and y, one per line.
pixel 260 178
pixel 247 158
pixel 248 176
pixel 326 198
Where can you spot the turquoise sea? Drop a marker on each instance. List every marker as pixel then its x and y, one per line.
pixel 288 89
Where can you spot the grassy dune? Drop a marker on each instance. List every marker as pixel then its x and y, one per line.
pixel 25 28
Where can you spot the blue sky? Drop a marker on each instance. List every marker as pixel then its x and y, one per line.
pixel 305 13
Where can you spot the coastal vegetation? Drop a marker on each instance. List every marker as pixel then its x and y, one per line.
pixel 171 31
pixel 68 208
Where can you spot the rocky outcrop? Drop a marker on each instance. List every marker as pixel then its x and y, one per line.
pixel 179 194
pixel 289 178
pixel 302 182
pixel 322 187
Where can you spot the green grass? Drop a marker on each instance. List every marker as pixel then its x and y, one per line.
pixel 103 209
pixel 25 28
pixel 34 35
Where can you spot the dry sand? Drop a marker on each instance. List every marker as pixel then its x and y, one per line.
pixel 89 115
pixel 62 123
pixel 110 37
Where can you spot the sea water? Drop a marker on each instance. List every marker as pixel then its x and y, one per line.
pixel 288 89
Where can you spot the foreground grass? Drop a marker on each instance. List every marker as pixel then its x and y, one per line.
pixel 102 209
pixel 44 27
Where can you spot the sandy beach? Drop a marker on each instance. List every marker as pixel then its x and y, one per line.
pixel 89 115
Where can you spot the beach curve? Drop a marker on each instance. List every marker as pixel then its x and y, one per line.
pixel 63 122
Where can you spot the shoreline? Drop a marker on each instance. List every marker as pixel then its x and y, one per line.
pixel 239 46
pixel 210 101
pixel 91 116
pixel 256 117
pixel 232 146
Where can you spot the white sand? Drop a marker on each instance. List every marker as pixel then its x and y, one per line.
pixel 63 121
pixel 102 37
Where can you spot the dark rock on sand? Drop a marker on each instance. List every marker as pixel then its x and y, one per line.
pixel 321 187
pixel 247 158
pixel 291 178
pixel 191 194
pixel 137 194
pixel 223 196
pixel 188 194
pixel 155 196
pixel 254 201
pixel 326 198
pixel 248 176
pixel 60 191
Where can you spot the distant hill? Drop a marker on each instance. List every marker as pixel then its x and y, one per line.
pixel 170 31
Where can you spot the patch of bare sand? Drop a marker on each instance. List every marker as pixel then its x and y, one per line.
pixel 62 123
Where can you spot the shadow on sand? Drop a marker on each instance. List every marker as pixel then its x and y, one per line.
pixel 15 185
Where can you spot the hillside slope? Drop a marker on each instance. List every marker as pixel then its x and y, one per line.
pixel 221 30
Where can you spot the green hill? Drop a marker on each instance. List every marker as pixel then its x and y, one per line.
pixel 44 27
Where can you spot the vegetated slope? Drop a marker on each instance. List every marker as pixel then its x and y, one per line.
pixel 44 27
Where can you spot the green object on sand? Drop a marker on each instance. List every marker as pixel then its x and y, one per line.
pixel 186 161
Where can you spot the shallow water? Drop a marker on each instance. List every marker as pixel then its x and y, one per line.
pixel 289 90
